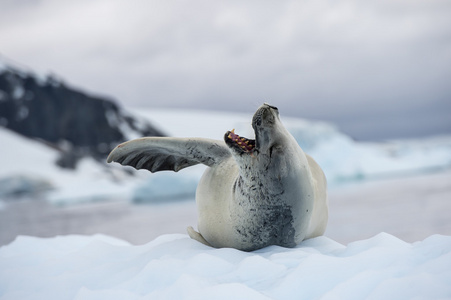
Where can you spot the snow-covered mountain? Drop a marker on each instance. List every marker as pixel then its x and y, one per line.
pixel 67 119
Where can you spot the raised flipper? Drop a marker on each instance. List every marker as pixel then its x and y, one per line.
pixel 167 153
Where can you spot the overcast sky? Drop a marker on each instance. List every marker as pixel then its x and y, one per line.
pixel 378 69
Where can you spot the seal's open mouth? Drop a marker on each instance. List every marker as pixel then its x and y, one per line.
pixel 239 143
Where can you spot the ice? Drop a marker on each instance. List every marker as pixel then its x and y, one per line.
pixel 176 267
pixel 168 186
pixel 18 185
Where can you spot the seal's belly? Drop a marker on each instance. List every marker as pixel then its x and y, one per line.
pixel 265 225
pixel 236 216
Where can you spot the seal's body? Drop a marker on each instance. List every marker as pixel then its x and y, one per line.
pixel 256 193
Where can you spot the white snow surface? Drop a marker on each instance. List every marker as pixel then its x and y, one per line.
pixel 176 267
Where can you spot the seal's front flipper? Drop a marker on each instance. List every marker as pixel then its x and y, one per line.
pixel 165 153
pixel 197 236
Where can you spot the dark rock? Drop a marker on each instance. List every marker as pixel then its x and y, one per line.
pixel 65 118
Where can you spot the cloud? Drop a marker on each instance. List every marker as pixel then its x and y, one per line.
pixel 342 61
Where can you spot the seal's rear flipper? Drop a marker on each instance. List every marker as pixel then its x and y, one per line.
pixel 165 153
pixel 196 236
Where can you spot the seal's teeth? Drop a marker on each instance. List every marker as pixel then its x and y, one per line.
pixel 247 142
pixel 239 143
pixel 230 136
pixel 233 131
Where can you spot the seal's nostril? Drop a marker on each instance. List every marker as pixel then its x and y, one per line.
pixel 270 106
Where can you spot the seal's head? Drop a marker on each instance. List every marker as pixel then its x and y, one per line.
pixel 273 155
pixel 266 123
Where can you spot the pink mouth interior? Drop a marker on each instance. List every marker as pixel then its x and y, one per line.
pixel 245 144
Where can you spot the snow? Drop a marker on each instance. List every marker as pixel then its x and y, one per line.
pixel 176 267
pixel 3 64
pixel 18 92
pixel 116 120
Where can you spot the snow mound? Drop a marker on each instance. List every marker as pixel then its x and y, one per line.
pixel 176 267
